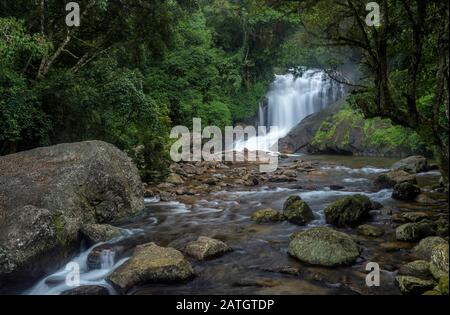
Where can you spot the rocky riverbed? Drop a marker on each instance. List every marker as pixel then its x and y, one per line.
pixel 309 228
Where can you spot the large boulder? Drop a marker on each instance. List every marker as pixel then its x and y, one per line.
pixel 151 263
pixel 392 178
pixel 413 232
pixel 413 164
pixel 413 285
pixel 48 193
pixel 405 191
pixel 417 268
pixel 205 248
pixel 348 211
pixel 95 233
pixel 297 211
pixel 425 246
pixel 323 246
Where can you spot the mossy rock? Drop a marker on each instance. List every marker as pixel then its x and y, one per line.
pixel 323 246
pixel 266 215
pixel 297 211
pixel 442 286
pixel 417 268
pixel 348 211
pixel 392 178
pixel 425 246
pixel 413 232
pixel 405 191
pixel 439 265
pixel 413 285
pixel 370 230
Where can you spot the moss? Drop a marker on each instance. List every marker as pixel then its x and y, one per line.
pixel 59 224
pixel 379 135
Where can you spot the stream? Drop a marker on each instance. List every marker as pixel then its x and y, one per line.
pixel 259 262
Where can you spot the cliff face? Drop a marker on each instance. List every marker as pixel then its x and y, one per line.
pixel 341 130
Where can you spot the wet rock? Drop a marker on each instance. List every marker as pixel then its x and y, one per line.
pixel 370 230
pixel 413 232
pixel 413 164
pixel 439 264
pixel 336 187
pixel 205 248
pixel 417 268
pixel 323 246
pixel 151 263
pixel 87 290
pixel 76 184
pixel 415 216
pixel 99 253
pixel 348 211
pixel 257 282
pixel 96 233
pixel 425 246
pixel 376 205
pixel 392 178
pixel 413 285
pixel 297 211
pixel 395 246
pixel 175 179
pixel 266 215
pixel 405 191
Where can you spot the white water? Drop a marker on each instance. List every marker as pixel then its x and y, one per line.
pixel 290 100
pixel 57 283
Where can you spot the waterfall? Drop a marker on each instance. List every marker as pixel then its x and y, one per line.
pixel 291 98
pixel 107 259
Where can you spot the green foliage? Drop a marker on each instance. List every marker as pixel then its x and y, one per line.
pixel 378 134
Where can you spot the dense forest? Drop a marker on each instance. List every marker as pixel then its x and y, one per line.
pixel 133 68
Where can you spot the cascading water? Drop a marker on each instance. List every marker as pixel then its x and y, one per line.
pixel 290 99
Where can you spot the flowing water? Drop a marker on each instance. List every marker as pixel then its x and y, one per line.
pixel 291 98
pixel 259 261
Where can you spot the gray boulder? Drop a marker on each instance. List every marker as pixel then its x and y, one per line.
pixel 405 191
pixel 413 232
pixel 96 233
pixel 348 211
pixel 413 164
pixel 425 246
pixel 323 246
pixel 48 193
pixel 392 178
pixel 205 248
pixel 151 263
pixel 297 211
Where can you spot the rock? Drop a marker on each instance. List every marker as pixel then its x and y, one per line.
pixel 405 191
pixel 323 246
pixel 348 211
pixel 413 164
pixel 205 248
pixel 71 185
pixel 376 205
pixel 442 286
pixel 439 264
pixel 413 285
pixel 425 246
pixel 417 268
pixel 415 216
pixel 87 290
pixel 151 263
pixel 297 211
pixel 413 232
pixel 175 179
pixel 96 233
pixel 395 246
pixel 370 230
pixel 392 178
pixel 266 215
